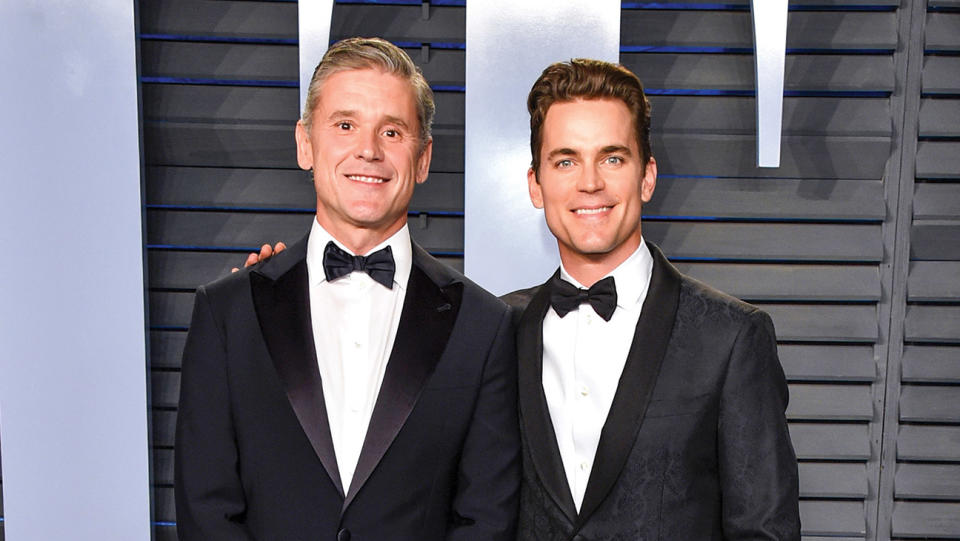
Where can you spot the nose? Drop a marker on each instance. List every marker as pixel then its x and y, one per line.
pixel 590 180
pixel 368 147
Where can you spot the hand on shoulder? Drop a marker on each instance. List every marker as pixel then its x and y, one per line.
pixel 266 252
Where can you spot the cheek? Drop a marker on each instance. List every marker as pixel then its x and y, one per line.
pixel 551 194
pixel 559 222
pixel 331 152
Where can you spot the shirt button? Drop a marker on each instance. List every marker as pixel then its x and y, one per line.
pixel 356 344
pixel 584 390
pixel 583 466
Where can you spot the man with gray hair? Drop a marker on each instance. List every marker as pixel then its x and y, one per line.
pixel 351 387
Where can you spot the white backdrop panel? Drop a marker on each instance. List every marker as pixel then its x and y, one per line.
pixel 506 242
pixel 314 18
pixel 770 42
pixel 72 362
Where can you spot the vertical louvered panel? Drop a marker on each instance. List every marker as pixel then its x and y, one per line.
pixel 219 87
pixel 926 482
pixel 803 241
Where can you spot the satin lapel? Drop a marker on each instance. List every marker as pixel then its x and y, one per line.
pixel 636 385
pixel 426 321
pixel 534 413
pixel 282 300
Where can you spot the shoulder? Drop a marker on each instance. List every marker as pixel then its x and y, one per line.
pixel 227 286
pixel 475 298
pixel 694 289
pixel 238 283
pixel 714 308
pixel 520 298
pixel 698 300
pixel 234 289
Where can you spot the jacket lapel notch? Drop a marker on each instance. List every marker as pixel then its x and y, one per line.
pixel 281 298
pixel 426 322
pixel 534 411
pixel 647 350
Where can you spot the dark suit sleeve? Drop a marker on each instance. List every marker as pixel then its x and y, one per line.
pixel 758 468
pixel 488 485
pixel 209 495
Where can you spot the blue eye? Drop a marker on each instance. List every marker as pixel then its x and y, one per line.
pixel 564 163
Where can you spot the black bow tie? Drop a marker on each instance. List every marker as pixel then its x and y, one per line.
pixel 602 296
pixel 379 265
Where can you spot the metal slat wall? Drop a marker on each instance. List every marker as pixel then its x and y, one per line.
pixel 812 242
pixel 926 482
pixel 803 241
pixel 219 86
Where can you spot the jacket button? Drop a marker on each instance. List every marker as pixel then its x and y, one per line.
pixel 579 537
pixel 343 535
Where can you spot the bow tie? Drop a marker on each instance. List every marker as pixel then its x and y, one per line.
pixel 602 296
pixel 379 265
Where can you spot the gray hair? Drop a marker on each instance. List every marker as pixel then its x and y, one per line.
pixel 365 53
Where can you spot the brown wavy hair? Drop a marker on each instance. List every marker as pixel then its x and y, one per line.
pixel 584 78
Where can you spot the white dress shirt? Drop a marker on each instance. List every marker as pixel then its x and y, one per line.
pixel 355 322
pixel 583 357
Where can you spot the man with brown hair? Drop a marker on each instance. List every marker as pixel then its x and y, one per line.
pixel 652 406
pixel 352 387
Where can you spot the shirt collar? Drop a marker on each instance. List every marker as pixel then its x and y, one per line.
pixel 399 244
pixel 632 277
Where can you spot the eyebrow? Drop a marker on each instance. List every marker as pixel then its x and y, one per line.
pixel 616 149
pixel 609 149
pixel 341 113
pixel 398 121
pixel 562 152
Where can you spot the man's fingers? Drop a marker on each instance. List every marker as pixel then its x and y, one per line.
pixel 266 252
pixel 252 259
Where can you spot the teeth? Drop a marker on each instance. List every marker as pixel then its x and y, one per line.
pixel 592 211
pixel 368 180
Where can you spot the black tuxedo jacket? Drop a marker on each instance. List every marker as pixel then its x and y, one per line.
pixel 254 456
pixel 695 445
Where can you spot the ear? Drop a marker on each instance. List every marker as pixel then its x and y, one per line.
pixel 423 162
pixel 536 191
pixel 649 181
pixel 304 147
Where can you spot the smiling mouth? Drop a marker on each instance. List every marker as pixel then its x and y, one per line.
pixel 597 210
pixel 367 180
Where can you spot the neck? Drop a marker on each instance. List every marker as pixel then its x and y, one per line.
pixel 589 268
pixel 360 240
